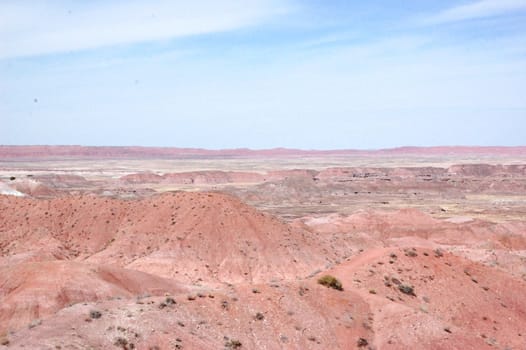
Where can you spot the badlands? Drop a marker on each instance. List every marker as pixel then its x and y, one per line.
pixel 162 248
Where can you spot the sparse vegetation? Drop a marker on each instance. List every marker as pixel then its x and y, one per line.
pixel 406 289
pixel 411 253
pixel 95 314
pixel 362 342
pixel 233 344
pixel 35 323
pixel 330 282
pixel 124 344
pixel 3 339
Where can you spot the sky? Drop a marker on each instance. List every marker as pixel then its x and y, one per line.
pixel 311 74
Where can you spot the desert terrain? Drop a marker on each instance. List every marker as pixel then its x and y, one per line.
pixel 161 248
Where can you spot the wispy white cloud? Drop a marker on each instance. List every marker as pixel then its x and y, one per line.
pixel 35 28
pixel 475 10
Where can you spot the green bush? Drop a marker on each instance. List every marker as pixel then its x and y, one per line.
pixel 330 282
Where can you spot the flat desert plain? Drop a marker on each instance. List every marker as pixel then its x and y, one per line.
pixel 153 248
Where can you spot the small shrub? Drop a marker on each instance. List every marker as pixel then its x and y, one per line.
pixel 362 342
pixel 406 289
pixel 233 344
pixel 411 253
pixel 124 344
pixel 259 316
pixel 34 323
pixel 330 282
pixel 95 314
pixel 120 342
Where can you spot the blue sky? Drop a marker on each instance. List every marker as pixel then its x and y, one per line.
pixel 263 73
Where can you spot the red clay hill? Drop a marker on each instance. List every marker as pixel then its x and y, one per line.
pixel 101 249
pixel 203 270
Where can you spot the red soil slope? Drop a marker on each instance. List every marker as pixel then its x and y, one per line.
pixel 287 316
pixel 191 236
pixel 35 290
pixel 455 303
pixel 237 274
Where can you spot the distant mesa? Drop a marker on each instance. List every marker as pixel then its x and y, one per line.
pixel 135 152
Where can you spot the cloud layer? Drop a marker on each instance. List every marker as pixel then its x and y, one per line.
pixel 63 26
pixel 269 73
pixel 476 10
